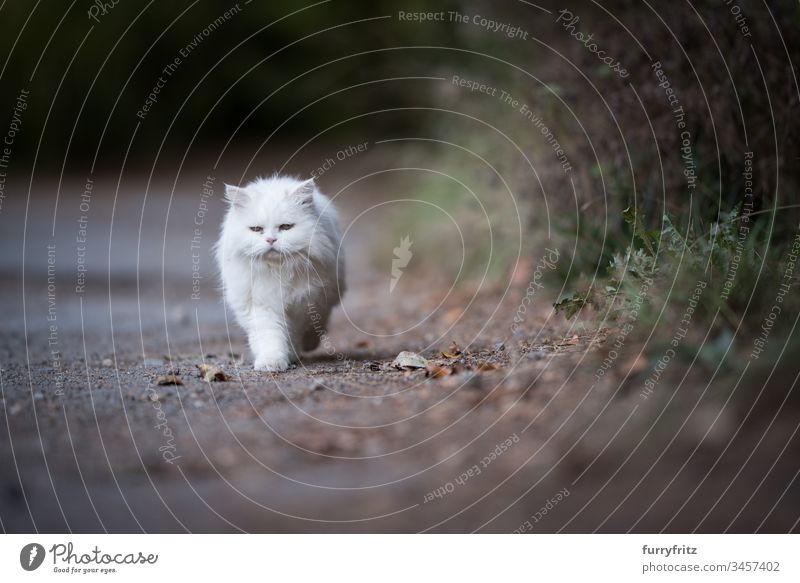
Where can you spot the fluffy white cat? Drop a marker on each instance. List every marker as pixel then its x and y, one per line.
pixel 282 266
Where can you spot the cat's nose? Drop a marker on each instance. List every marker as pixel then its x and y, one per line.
pixel 271 240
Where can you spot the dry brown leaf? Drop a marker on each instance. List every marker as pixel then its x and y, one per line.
pixel 211 373
pixel 362 344
pixel 168 379
pixel 453 352
pixel 437 372
pixel 485 366
pixel 571 342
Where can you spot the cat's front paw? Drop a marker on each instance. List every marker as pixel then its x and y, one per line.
pixel 271 364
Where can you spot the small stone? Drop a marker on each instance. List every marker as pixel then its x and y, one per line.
pixel 536 355
pixel 409 360
pixel 107 362
pixel 499 347
pixel 153 362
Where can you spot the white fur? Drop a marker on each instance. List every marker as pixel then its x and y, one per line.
pixel 282 295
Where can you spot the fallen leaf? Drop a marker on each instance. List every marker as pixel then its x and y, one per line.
pixel 571 342
pixel 571 304
pixel 453 352
pixel 362 344
pixel 485 367
pixel 437 372
pixel 211 373
pixel 169 379
pixel 409 360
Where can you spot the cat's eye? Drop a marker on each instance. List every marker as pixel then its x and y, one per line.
pixel 257 229
pixel 285 226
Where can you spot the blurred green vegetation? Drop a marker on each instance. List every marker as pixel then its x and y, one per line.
pixel 738 101
pixel 250 73
pixel 287 74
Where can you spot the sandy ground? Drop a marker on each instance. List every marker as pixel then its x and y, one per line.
pixel 520 437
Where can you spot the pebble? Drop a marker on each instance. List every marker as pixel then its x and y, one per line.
pixel 407 359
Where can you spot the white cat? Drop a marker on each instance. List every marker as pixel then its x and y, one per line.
pixel 282 266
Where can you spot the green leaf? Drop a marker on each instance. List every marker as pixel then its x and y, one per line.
pixel 570 304
pixel 629 215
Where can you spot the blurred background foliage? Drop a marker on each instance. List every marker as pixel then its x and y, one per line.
pixel 343 70
pixel 228 80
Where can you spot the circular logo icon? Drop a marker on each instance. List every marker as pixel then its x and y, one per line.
pixel 31 556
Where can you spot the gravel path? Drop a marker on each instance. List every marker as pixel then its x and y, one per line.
pixel 507 432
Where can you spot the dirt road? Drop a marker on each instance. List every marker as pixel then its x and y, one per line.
pixel 516 433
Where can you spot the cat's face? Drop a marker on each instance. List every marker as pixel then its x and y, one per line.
pixel 272 219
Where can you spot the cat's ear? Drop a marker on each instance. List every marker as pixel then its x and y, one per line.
pixel 237 197
pixel 305 192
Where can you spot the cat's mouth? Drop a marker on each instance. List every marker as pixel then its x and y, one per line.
pixel 275 255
